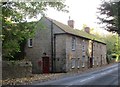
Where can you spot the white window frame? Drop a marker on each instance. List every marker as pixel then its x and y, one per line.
pixel 83 61
pixel 83 54
pixel 78 63
pixel 73 43
pixel 73 63
pixel 83 45
pixel 29 42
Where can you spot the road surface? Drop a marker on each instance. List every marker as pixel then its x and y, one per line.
pixel 105 76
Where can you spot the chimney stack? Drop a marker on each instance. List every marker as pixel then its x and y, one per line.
pixel 87 29
pixel 71 23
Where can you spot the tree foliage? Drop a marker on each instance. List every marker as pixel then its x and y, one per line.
pixel 15 29
pixel 112 44
pixel 110 15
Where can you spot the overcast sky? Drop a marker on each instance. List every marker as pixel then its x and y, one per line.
pixel 81 11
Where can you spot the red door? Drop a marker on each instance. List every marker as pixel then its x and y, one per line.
pixel 45 64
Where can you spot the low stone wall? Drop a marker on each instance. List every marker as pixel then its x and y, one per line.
pixel 16 69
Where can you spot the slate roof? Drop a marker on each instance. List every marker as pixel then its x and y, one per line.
pixel 76 32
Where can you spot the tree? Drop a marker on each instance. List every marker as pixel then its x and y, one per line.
pixel 15 29
pixel 112 46
pixel 110 15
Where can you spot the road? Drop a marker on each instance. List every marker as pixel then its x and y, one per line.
pixel 105 76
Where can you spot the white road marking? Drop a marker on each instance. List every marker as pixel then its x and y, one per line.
pixel 87 79
pixel 94 76
pixel 69 85
pixel 90 76
pixel 109 71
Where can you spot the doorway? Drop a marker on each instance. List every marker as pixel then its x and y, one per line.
pixel 46 64
pixel 91 62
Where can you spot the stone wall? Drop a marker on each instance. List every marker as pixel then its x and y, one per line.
pixel 17 69
pixel 99 53
pixel 60 54
pixel 65 57
pixel 41 44
pixel 74 57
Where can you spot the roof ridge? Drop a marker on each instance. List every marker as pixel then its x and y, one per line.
pixel 54 21
pixel 70 30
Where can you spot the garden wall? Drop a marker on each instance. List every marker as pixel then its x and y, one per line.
pixel 16 69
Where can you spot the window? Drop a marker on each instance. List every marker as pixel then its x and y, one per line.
pixel 78 63
pixel 73 63
pixel 83 48
pixel 83 45
pixel 73 43
pixel 30 42
pixel 83 61
pixel 83 54
pixel 93 61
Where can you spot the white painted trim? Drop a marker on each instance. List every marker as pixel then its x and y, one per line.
pixel 73 43
pixel 29 42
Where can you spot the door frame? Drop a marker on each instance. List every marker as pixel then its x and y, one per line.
pixel 46 61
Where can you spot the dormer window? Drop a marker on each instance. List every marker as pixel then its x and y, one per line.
pixel 30 42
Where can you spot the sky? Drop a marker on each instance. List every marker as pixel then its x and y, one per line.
pixel 81 11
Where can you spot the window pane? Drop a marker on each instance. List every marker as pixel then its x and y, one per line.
pixel 30 42
pixel 83 61
pixel 73 63
pixel 73 43
pixel 78 63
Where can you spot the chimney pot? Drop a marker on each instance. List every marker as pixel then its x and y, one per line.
pixel 87 29
pixel 71 23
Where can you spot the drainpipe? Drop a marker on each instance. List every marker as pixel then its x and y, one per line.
pixel 92 54
pixel 52 37
pixel 54 55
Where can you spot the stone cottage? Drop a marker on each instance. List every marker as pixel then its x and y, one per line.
pixel 57 47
